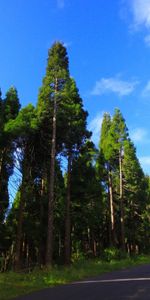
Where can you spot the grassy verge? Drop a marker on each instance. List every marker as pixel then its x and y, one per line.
pixel 14 284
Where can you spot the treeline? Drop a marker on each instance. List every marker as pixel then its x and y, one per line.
pixel 73 200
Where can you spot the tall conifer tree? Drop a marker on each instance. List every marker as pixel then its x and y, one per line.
pixel 57 74
pixel 106 161
pixel 75 134
pixel 118 135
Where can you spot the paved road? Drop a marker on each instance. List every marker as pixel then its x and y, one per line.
pixel 118 285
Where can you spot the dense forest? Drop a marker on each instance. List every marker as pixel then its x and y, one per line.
pixel 73 200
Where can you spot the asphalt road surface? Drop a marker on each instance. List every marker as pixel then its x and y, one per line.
pixel 118 285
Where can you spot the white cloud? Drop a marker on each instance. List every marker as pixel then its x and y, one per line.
pixel 141 13
pixel 145 163
pixel 95 127
pixel 146 90
pixel 139 135
pixel 67 44
pixel 115 85
pixel 147 40
pixel 140 10
pixel 60 4
pixel 145 160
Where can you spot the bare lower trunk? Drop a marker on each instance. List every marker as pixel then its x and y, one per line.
pixel 111 203
pixel 1 162
pixel 67 217
pixel 42 243
pixel 121 204
pixel 17 263
pixel 26 171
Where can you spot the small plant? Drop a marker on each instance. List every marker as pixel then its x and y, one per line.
pixel 77 256
pixel 113 253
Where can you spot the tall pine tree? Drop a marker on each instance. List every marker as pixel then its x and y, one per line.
pixel 57 74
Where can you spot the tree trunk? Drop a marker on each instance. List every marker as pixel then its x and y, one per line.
pixel 17 262
pixel 41 242
pixel 111 203
pixel 1 163
pixel 2 166
pixel 67 217
pixel 121 203
pixel 49 246
pixel 26 173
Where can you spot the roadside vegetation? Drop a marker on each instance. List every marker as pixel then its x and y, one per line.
pixel 15 284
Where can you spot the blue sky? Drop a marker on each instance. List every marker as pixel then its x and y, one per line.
pixel 108 44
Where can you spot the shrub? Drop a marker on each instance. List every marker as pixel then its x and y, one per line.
pixel 113 253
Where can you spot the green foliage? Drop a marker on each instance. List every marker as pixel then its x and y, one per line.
pixel 73 117
pixel 114 253
pixel 105 144
pixel 57 67
pixel 25 122
pixel 11 104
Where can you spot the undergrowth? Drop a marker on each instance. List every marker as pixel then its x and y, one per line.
pixel 15 284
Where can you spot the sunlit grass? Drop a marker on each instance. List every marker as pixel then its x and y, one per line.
pixel 15 284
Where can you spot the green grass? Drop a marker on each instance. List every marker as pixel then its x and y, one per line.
pixel 16 284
